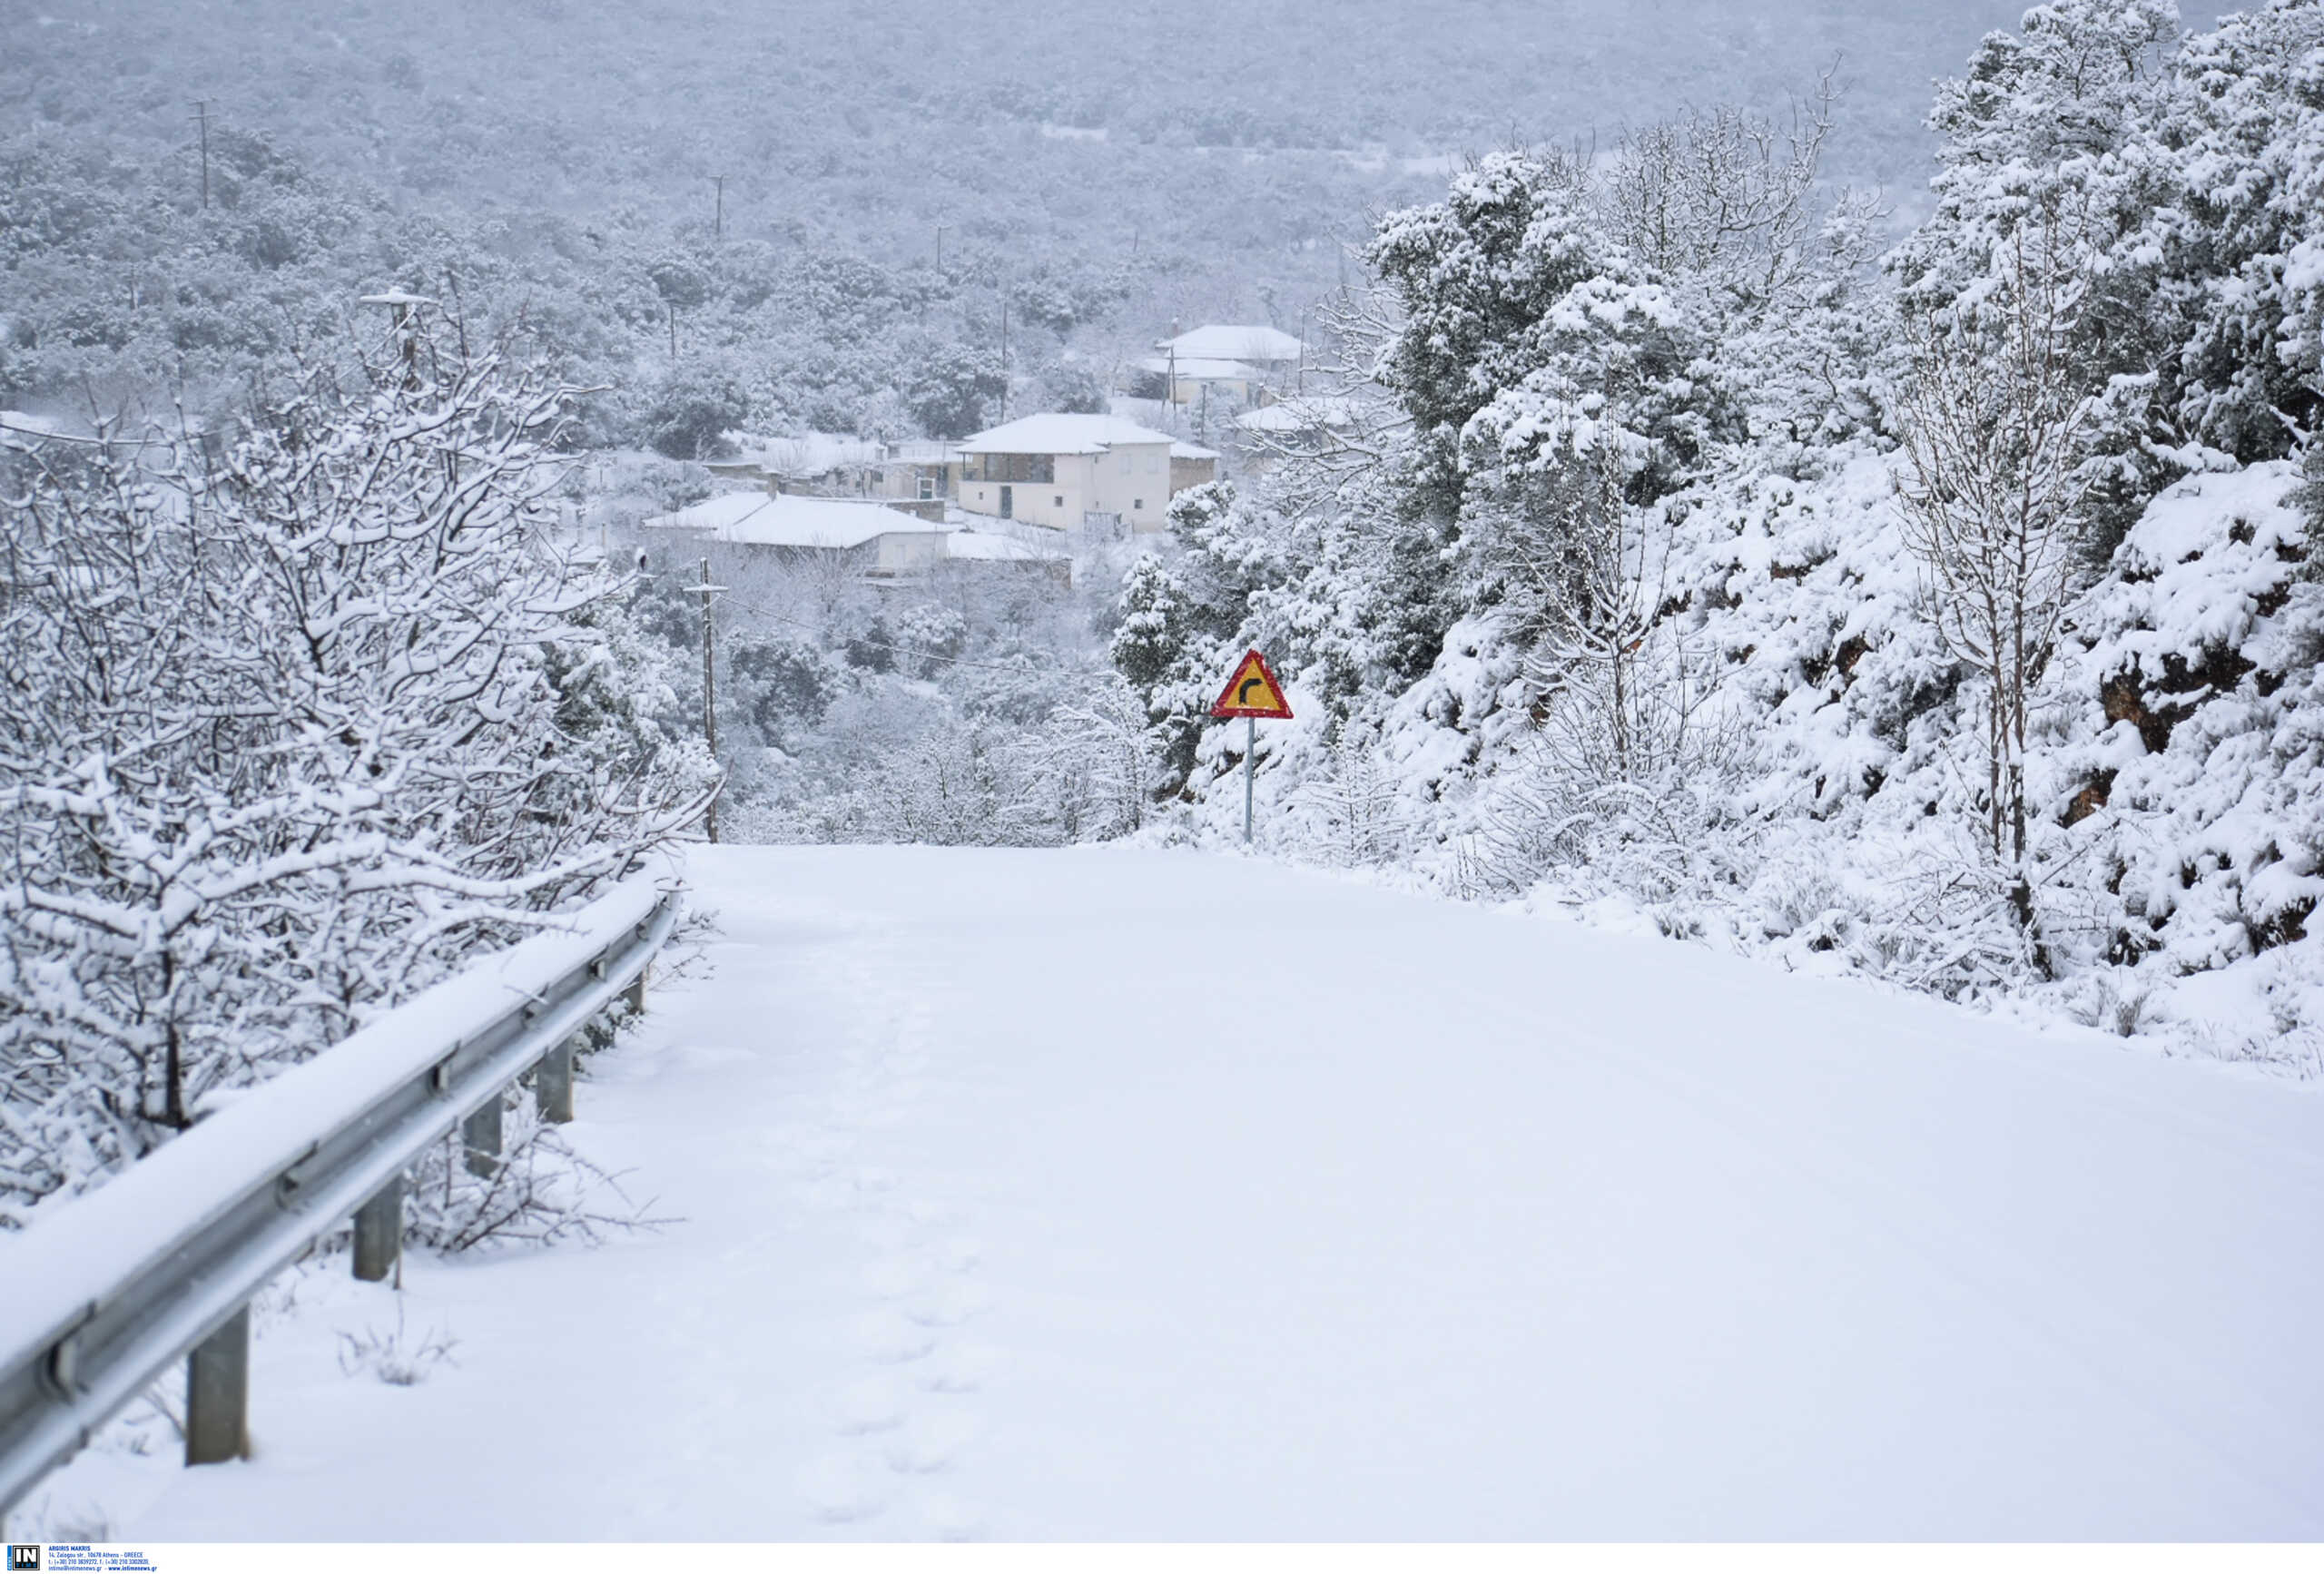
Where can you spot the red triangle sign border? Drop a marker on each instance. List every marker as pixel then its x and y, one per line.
pixel 1235 699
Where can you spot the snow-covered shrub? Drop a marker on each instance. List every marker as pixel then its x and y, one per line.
pixel 541 1192
pixel 1351 811
pixel 400 1359
pixel 1098 762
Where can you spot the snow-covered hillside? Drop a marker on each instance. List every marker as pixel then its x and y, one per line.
pixel 1950 616
pixel 1113 1193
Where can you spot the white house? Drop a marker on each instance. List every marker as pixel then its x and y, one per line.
pixel 1254 345
pixel 1192 465
pixel 1231 362
pixel 1302 424
pixel 1184 381
pixel 919 471
pixel 880 542
pixel 884 541
pixel 1057 471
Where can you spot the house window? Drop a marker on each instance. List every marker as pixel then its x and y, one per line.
pixel 1137 504
pixel 1060 502
pixel 1034 467
pixel 928 489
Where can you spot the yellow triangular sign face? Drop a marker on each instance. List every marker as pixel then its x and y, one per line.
pixel 1253 692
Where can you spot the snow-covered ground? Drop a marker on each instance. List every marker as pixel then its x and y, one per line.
pixel 1111 1194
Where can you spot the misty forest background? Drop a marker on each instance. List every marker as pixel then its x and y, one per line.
pixel 1832 482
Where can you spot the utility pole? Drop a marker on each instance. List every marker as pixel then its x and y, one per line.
pixel 201 115
pixel 940 248
pixel 709 692
pixel 718 219
pixel 674 330
pixel 403 313
pixel 1004 356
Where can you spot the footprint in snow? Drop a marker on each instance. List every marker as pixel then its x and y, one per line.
pixel 897 1276
pixel 871 1404
pixel 929 1442
pixel 844 1487
pixel 892 1338
pixel 948 1305
pixel 952 1519
pixel 960 1368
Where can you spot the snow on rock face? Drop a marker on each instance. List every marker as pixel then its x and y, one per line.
pixel 2199 721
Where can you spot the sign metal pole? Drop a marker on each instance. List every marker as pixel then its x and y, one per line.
pixel 1251 694
pixel 1250 752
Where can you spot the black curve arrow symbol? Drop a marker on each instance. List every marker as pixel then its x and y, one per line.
pixel 1243 690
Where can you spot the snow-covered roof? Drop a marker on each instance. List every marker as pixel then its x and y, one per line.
pixel 757 520
pixel 1297 415
pixel 814 453
pixel 1201 368
pixel 1059 433
pixel 984 545
pixel 1233 341
pixel 1192 451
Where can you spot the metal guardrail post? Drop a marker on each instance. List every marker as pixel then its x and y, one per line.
pixel 480 1137
pixel 635 993
pixel 218 1393
pixel 553 1084
pixel 379 1233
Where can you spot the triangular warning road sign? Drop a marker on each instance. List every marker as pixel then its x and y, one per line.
pixel 1253 692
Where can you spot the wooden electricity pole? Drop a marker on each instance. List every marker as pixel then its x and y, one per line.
pixel 201 117
pixel 718 218
pixel 710 693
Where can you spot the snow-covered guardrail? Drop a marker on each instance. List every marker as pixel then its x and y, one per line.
pixel 162 1261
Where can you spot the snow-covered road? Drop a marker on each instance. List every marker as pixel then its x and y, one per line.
pixel 1102 1193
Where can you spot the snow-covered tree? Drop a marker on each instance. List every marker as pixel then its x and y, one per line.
pixel 1991 423
pixel 288 727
